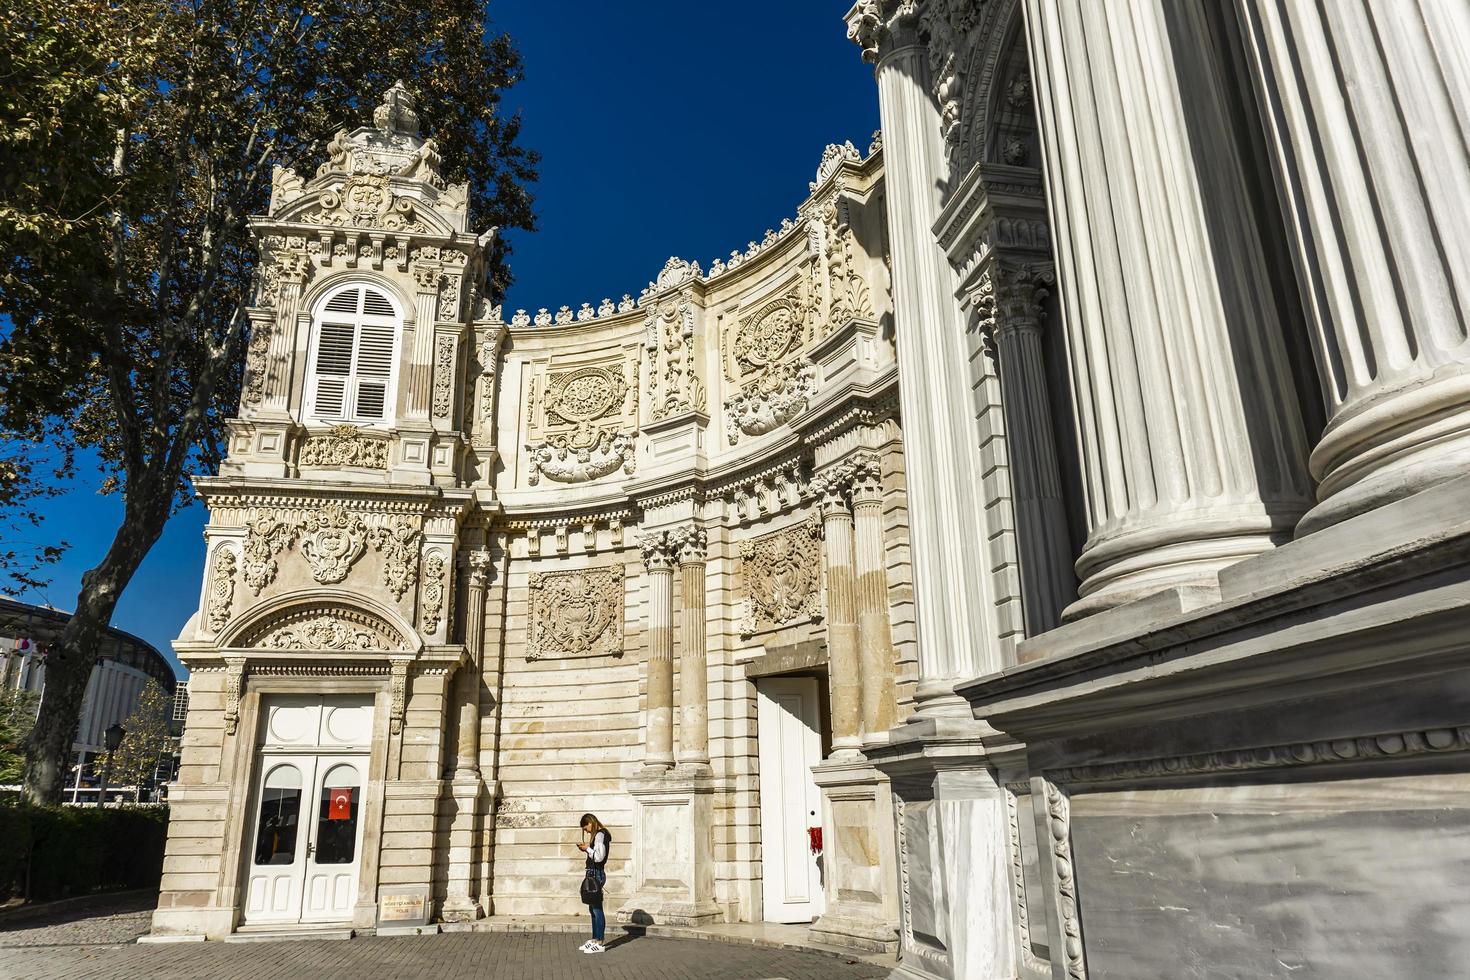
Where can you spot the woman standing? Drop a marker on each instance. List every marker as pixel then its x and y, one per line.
pixel 596 846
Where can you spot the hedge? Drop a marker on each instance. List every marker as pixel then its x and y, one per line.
pixel 49 852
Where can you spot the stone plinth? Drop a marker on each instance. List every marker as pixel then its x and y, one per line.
pixel 673 872
pixel 862 900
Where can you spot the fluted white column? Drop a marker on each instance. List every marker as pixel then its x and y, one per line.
pixel 693 661
pixel 467 749
pixel 844 680
pixel 1193 447
pixel 952 607
pixel 870 570
pixel 658 560
pixel 1367 106
pixel 419 383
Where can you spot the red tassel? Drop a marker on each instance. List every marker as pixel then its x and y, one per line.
pixel 814 836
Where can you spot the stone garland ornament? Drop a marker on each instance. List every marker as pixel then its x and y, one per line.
pixel 443 398
pixel 265 537
pixel 564 459
pixel 398 544
pixel 325 632
pixel 221 589
pixel 345 445
pixel 774 399
pixel 576 613
pixel 782 574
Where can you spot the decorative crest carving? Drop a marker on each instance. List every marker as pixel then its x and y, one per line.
pixel 265 537
pixel 398 543
pixel 434 589
pixel 576 613
pixel 221 588
pixel 832 159
pixel 782 574
pixel 332 541
pixel 561 459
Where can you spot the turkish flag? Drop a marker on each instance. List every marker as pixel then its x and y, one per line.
pixel 340 805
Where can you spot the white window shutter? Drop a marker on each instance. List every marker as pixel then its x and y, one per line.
pixel 353 366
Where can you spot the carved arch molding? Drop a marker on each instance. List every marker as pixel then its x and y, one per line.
pixel 325 628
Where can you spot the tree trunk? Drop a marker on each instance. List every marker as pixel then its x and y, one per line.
pixel 70 659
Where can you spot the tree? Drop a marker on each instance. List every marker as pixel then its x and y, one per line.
pixel 146 737
pixel 17 716
pixel 148 129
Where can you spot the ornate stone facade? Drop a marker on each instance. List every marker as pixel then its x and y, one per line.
pixel 445 546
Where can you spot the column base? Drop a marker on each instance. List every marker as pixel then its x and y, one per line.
pixel 673 874
pixel 861 865
pixel 460 905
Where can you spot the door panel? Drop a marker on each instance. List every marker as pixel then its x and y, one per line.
pixel 278 858
pixel 789 745
pixel 336 838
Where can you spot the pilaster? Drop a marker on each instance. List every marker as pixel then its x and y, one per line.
pixel 844 670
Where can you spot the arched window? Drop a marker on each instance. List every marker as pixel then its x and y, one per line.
pixel 354 358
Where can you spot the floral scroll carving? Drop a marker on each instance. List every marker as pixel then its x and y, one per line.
pixel 345 445
pixel 398 544
pixel 577 613
pixel 326 628
pixel 848 295
pixel 675 387
pixel 581 411
pixel 265 537
pixel 443 397
pixel 775 384
pixel 782 573
pixel 332 540
pixel 775 398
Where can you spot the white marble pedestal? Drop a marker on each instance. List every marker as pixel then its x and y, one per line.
pixel 860 881
pixel 673 861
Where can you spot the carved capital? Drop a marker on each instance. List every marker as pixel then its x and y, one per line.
pixel 867 477
pixel 691 543
pixel 1018 294
pixel 479 569
pixel 426 277
pixel 833 489
pixel 659 553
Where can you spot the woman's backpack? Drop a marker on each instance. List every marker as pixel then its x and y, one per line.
pixel 591 888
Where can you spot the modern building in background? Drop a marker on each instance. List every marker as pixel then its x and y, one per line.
pixel 124 665
pixel 1046 554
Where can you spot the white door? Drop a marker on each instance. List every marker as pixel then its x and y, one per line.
pixel 308 840
pixel 790 744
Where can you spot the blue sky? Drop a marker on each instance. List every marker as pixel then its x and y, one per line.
pixel 665 128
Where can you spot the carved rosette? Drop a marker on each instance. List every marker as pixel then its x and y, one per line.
pixel 221 589
pixel 782 577
pixel 576 613
pixel 560 459
pixel 434 591
pixel 332 541
pixel 345 445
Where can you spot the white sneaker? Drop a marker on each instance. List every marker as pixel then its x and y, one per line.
pixel 596 947
pixel 583 948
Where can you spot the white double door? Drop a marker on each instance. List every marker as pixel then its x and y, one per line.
pixel 307 843
pixel 789 729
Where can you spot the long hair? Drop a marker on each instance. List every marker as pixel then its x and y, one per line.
pixel 590 821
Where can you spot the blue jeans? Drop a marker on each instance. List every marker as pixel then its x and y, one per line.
pixel 599 919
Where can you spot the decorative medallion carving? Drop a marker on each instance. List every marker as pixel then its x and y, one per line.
pixel 782 575
pixel 581 414
pixel 221 589
pixel 332 540
pixel 345 445
pixel 434 590
pixel 762 357
pixel 576 613
pixel 584 395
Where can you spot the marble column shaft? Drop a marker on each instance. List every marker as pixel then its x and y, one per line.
pixel 1367 111
pixel 1047 579
pixel 467 749
pixel 693 662
pixel 844 669
pixel 874 630
pixel 419 384
pixel 659 560
pixel 953 608
pixel 1193 445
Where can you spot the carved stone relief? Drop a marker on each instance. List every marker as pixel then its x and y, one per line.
pixel 345 445
pixel 325 628
pixel 581 414
pixel 576 613
pixel 398 544
pixel 443 398
pixel 782 579
pixel 221 589
pixel 434 589
pixel 332 540
pixel 674 385
pixel 848 295
pixel 265 537
pixel 762 357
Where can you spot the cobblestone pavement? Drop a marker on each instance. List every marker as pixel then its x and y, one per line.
pixel 98 944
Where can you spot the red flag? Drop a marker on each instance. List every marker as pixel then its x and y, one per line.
pixel 340 807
